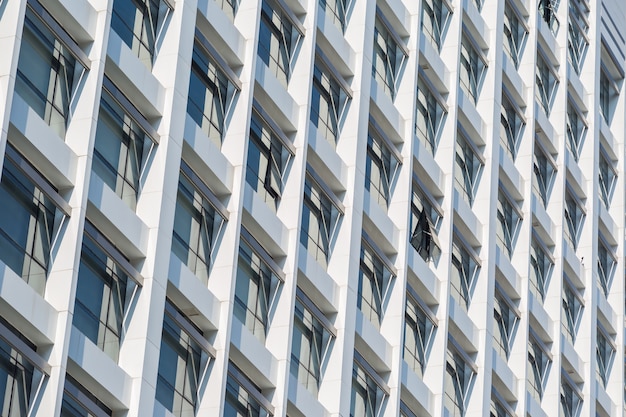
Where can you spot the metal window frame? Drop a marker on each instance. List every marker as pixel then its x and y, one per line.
pixel 379 133
pixel 23 349
pixel 396 38
pixel 495 395
pixel 215 56
pixel 204 189
pixel 25 167
pixel 267 119
pixel 535 238
pixel 325 189
pixel 426 193
pixel 184 324
pixel 362 363
pixel 456 347
pixel 244 382
pixel 112 252
pixel 260 251
pixel 612 57
pixel 413 295
pixel 118 97
pixel 539 342
pixel 467 33
pixel 316 312
pixel 320 57
pixel 405 410
pixel 457 236
pixel 501 293
pixel 293 19
pixel 75 392
pixel 572 384
pixel 432 89
pixel 379 254
pixel 59 33
pixel 568 282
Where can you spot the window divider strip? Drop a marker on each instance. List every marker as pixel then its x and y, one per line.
pixel 499 292
pixel 262 253
pixel 82 399
pixel 130 109
pixel 19 345
pixel 381 134
pixel 50 22
pixel 422 305
pixel 325 189
pixel 258 109
pixel 323 59
pixel 103 243
pixel 365 366
pixel 217 59
pixel 191 331
pixel 290 15
pixel 432 89
pixel 397 39
pixel 204 189
pixel 33 175
pixel 249 387
pixel 315 310
pixel 379 253
pixel 459 349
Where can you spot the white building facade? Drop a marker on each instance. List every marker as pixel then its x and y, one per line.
pixel 312 208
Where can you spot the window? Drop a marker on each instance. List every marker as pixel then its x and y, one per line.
pixel 28 220
pixel 312 335
pixel 183 352
pixel 229 7
pixel 472 69
pixel 243 398
pixel 544 169
pixel 78 402
pixel 506 319
pixel 198 222
pixel 121 147
pixel 571 397
pixel 572 309
pixel 435 18
pixel 607 177
pixel 419 329
pixel 212 88
pixel 609 90
pixel 328 102
pixel 320 217
pixel 431 111
pixel 576 130
pixel 103 292
pixel 574 218
pixel 539 361
pixel 577 28
pixel 279 35
pixel 547 11
pixel 269 154
pixel 547 82
pixel 460 375
pixel 509 219
pixel 388 57
pixel 499 406
pixel 368 390
pixel 512 123
pixel 47 70
pixel 138 22
pixel 605 352
pixel 541 265
pixel 479 4
pixel 381 167
pixel 375 275
pixel 425 219
pixel 18 372
pixel 256 288
pixel 337 11
pixel 606 265
pixel 463 273
pixel 469 166
pixel 515 33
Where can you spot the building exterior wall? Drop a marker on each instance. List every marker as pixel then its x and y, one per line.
pixel 138 236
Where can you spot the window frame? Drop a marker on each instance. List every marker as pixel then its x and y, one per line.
pixel 429 323
pixel 575 140
pixel 392 69
pixel 506 202
pixel 467 282
pixel 606 272
pixel 574 225
pixel 463 390
pixel 577 38
pixel 505 331
pixel 572 310
pixel 544 267
pixel 545 89
pixel 510 109
pixel 382 389
pixel 246 384
pixel 432 102
pixel 604 361
pixel 547 13
pixel 424 226
pixel 566 380
pixel 608 179
pixel 550 168
pixel 439 21
pixel 477 65
pixel 388 163
pixel 470 179
pixel 514 43
pixel 540 371
pixel 83 398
